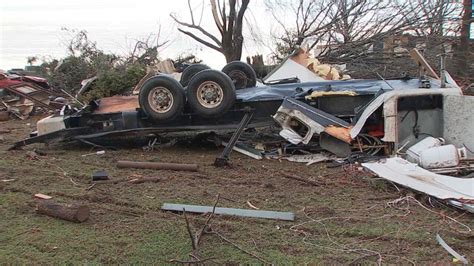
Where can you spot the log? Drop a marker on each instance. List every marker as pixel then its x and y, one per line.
pixel 144 179
pixel 159 166
pixel 74 213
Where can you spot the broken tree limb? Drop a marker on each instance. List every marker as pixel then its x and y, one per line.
pixel 42 196
pixel 74 213
pixel 307 181
pixel 158 166
pixel 140 180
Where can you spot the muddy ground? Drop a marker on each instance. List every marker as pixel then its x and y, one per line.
pixel 350 217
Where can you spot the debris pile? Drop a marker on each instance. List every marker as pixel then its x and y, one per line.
pixel 21 95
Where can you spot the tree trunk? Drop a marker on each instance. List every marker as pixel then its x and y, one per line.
pixel 73 213
pixel 463 54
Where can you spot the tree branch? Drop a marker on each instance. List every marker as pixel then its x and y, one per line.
pixel 216 16
pixel 208 44
pixel 197 27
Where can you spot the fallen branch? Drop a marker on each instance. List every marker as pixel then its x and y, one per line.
pixel 239 248
pixel 158 166
pixel 188 227
pixel 191 261
pixel 144 179
pixel 206 224
pixel 73 182
pixel 196 239
pixel 301 179
pixel 252 206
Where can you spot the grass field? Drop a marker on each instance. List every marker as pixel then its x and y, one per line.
pixel 346 219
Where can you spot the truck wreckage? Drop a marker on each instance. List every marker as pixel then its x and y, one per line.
pixel 375 117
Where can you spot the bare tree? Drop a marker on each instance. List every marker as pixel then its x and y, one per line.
pixel 441 17
pixel 228 17
pixel 345 28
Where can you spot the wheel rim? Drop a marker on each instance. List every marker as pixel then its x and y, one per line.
pixel 160 99
pixel 239 78
pixel 210 94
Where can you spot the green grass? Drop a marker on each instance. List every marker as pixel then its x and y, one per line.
pixel 126 225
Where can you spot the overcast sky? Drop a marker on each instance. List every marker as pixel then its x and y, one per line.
pixel 33 28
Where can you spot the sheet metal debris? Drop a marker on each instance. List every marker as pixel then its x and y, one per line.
pixel 305 158
pixel 450 250
pixel 411 175
pixel 286 216
pixel 295 116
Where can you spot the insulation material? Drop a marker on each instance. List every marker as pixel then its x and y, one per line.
pixel 316 94
pixel 291 69
pixel 306 69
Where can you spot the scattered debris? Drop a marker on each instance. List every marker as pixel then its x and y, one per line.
pixel 73 213
pixel 207 229
pixel 301 179
pixel 463 204
pixel 287 216
pixel 100 175
pixel 26 93
pixel 158 166
pixel 294 116
pixel 144 179
pixel 252 206
pixel 411 175
pixel 42 196
pixel 245 150
pixel 94 153
pixel 223 159
pixel 450 250
pixel 32 155
pixel 309 159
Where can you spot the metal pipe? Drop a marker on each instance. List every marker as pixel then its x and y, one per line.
pixel 158 166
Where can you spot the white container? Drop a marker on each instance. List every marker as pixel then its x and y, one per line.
pixel 443 156
pixel 413 153
pixel 50 124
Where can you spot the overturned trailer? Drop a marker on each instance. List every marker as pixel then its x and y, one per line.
pixel 367 115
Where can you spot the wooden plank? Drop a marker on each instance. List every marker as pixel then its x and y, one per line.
pixel 117 104
pixel 286 216
pixel 421 61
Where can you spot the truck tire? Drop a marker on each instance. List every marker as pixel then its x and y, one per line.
pixel 161 98
pixel 210 93
pixel 242 74
pixel 190 71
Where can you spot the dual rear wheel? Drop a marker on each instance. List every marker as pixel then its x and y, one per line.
pixel 209 93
